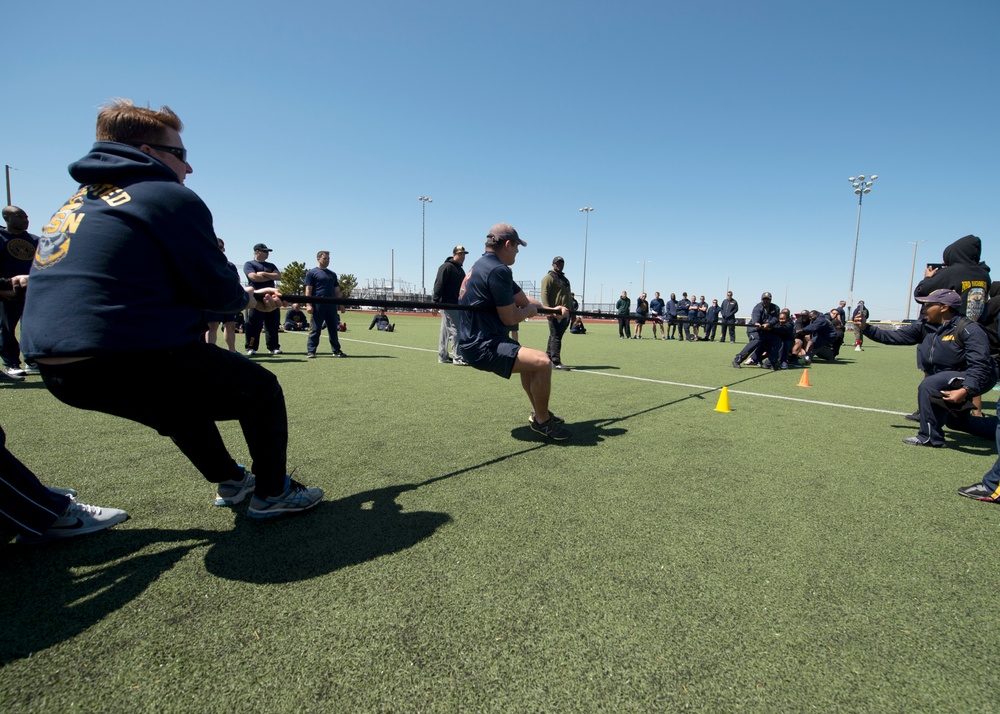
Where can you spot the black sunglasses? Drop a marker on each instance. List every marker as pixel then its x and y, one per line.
pixel 181 154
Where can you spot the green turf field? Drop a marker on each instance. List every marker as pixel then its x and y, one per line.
pixel 791 555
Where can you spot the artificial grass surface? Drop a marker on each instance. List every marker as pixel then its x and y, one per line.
pixel 788 555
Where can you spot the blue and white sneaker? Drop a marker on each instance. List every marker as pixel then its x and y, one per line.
pixel 296 498
pixel 231 492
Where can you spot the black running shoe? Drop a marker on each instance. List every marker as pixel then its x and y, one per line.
pixel 556 432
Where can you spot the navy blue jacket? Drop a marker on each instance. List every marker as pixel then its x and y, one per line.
pixel 941 352
pixel 129 263
pixel 765 315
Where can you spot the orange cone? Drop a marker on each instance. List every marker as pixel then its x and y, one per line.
pixel 723 405
pixel 804 379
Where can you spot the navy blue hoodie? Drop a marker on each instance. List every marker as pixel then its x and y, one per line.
pixel 129 263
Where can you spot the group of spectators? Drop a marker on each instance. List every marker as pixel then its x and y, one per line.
pixel 690 318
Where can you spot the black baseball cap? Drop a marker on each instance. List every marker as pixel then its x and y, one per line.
pixel 261 246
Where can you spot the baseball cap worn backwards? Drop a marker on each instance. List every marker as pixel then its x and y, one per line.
pixel 261 246
pixel 502 232
pixel 948 298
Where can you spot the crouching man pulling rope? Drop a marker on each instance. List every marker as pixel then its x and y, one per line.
pixel 484 336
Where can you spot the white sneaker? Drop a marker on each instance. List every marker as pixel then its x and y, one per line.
pixel 78 519
pixel 251 353
pixel 15 371
pixel 857 348
pixel 31 369
pixel 275 352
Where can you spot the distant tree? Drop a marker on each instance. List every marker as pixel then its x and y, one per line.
pixel 347 284
pixel 292 278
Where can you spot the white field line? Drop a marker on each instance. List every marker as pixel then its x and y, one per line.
pixel 677 384
pixel 737 391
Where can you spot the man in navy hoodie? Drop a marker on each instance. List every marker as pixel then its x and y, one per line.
pixel 122 277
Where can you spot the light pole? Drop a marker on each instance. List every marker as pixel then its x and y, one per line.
pixel 423 232
pixel 913 265
pixel 861 186
pixel 643 274
pixel 586 233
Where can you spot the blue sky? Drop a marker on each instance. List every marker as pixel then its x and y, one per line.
pixel 713 139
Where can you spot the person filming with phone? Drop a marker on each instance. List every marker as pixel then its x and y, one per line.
pixel 955 355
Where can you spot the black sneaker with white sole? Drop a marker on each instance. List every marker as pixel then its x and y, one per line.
pixel 979 492
pixel 554 431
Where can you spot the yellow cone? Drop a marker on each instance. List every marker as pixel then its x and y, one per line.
pixel 723 405
pixel 804 379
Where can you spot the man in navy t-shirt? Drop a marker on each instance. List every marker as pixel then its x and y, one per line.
pixel 323 282
pixel 484 335
pixel 262 274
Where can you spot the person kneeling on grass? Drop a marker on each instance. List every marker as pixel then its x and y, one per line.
pixel 955 354
pixel 483 337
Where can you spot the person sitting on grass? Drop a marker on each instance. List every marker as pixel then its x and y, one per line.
pixel 295 319
pixel 955 355
pixel 577 327
pixel 382 322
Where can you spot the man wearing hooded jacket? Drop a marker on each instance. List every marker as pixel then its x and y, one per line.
pixel 132 209
pixel 963 272
pixel 446 286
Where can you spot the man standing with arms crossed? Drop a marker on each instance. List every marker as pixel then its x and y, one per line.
pixel 729 309
pixel 262 274
pixel 556 293
pixel 323 282
pixel 484 337
pixel 104 334
pixel 446 286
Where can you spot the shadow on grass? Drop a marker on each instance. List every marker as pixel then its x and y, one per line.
pixel 593 432
pixel 27 384
pixel 333 535
pixel 52 603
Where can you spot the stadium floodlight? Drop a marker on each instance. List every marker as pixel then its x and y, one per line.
pixel 861 185
pixel 586 233
pixel 423 231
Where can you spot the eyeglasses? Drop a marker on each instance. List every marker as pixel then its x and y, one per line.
pixel 180 153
